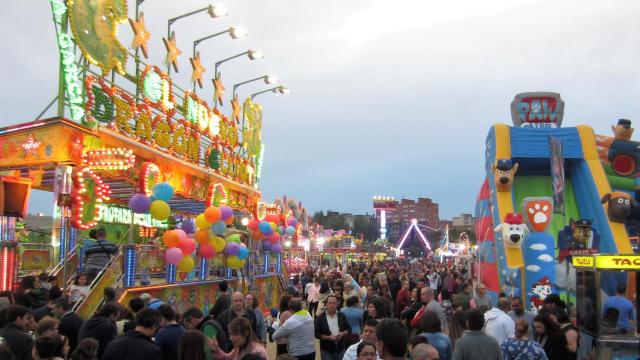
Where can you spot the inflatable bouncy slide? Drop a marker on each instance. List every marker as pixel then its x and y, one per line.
pixel 551 193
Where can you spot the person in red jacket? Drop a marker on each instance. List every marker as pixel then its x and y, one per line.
pixel 403 299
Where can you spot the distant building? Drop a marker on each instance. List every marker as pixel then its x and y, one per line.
pixel 464 222
pixel 424 210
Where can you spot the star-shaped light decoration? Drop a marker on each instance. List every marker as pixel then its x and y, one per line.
pixel 219 87
pixel 235 107
pixel 141 35
pixel 198 70
pixel 172 51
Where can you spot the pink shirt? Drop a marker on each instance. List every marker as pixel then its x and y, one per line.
pixel 235 354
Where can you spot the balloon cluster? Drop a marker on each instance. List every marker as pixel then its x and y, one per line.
pixel 271 229
pixel 180 247
pixel 212 226
pixel 155 204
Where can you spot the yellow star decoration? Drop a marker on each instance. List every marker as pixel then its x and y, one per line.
pixel 198 70
pixel 141 35
pixel 219 87
pixel 172 51
pixel 235 106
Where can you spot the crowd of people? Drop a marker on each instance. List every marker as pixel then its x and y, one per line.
pixel 378 310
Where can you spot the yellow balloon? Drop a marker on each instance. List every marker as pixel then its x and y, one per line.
pixel 234 262
pixel 186 264
pixel 218 243
pixel 160 210
pixel 218 261
pixel 202 223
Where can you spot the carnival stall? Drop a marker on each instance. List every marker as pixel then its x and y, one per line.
pixel 171 179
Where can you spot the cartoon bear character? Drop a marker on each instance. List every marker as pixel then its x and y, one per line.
pixel 619 205
pixel 503 172
pixel 540 290
pixel 513 230
pixel 623 130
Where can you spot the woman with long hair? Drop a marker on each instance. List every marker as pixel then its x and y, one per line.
pixel 283 315
pixel 252 304
pixel 377 309
pixel 457 327
pixel 192 346
pixel 87 349
pixel 547 334
pixel 244 342
pixel 522 348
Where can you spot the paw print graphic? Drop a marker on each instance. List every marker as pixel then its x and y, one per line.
pixel 538 212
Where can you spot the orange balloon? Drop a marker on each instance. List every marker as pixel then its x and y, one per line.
pixel 212 214
pixel 202 236
pixel 171 238
pixel 230 220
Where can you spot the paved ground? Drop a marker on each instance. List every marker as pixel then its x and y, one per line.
pixel 271 349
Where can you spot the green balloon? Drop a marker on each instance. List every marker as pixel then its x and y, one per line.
pixel 234 238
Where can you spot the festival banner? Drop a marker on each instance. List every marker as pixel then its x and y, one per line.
pixel 557 174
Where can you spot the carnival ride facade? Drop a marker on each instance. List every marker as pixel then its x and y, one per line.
pixel 111 151
pixel 564 196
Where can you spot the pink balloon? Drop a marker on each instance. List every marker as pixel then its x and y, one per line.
pixel 181 234
pixel 173 256
pixel 187 245
pixel 207 251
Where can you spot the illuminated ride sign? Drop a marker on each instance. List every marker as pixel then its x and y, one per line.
pixel 537 110
pixel 189 130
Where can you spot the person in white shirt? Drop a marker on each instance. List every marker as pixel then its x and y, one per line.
pixel 498 323
pixel 313 296
pixel 368 334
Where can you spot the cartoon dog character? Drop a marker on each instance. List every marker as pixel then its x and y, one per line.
pixel 541 289
pixel 581 231
pixel 623 130
pixel 619 205
pixel 513 230
pixel 503 172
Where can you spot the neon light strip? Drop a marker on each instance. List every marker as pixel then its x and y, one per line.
pixel 22 127
pixel 5 269
pixel 424 239
pixel 404 237
pixel 406 234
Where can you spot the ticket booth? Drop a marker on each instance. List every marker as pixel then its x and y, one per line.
pixel 607 292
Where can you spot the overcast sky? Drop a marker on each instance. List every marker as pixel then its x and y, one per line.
pixel 389 97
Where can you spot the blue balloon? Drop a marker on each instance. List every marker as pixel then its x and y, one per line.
pixel 163 191
pixel 265 227
pixel 266 245
pixel 291 230
pixel 219 228
pixel 243 253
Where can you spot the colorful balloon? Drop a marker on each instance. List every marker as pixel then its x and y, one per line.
pixel 202 237
pixel 276 248
pixel 229 220
pixel 232 248
pixel 253 225
pixel 275 237
pixel 170 238
pixel 163 191
pixel 188 226
pixel 212 214
pixel 266 245
pixel 219 228
pixel 243 253
pixel 202 223
pixel 207 251
pixel 225 212
pixel 187 246
pixel 234 262
pixel 264 227
pixel 139 203
pixel 173 256
pixel 219 260
pixel 218 244
pixel 290 230
pixel 186 264
pixel 234 238
pixel 181 234
pixel 160 210
pixel 292 222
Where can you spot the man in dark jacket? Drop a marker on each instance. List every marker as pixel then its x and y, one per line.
pixel 223 302
pixel 237 309
pixel 137 344
pixel 330 328
pixel 168 338
pixel 46 309
pixel 14 334
pixel 101 327
pixel 70 322
pixel 98 254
